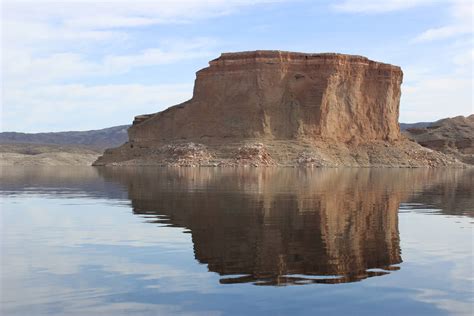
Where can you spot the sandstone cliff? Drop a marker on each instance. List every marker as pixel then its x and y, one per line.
pixel 280 108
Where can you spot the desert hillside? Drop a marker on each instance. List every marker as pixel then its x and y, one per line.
pixel 453 136
pixel 58 148
pixel 46 155
pixel 100 139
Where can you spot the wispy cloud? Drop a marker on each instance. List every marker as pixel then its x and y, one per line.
pixel 429 94
pixel 435 97
pixel 46 46
pixel 461 12
pixel 24 68
pixel 377 6
pixel 46 107
pixel 89 14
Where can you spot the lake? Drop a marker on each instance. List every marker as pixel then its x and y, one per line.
pixel 249 241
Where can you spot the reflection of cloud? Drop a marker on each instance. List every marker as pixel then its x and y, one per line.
pixel 432 250
pixel 75 229
pixel 438 298
pixel 47 243
pixel 134 309
pixel 461 23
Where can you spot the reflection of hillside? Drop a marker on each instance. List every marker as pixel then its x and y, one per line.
pixel 452 193
pixel 286 226
pixel 56 181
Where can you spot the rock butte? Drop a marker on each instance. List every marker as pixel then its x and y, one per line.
pixel 279 108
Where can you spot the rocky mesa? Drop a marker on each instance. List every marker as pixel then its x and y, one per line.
pixel 281 108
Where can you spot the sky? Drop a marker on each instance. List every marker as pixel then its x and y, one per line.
pixel 86 64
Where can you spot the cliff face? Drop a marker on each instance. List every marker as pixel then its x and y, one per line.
pixel 283 95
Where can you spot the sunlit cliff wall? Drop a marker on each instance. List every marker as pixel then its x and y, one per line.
pixel 283 95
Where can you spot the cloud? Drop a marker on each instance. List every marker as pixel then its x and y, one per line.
pixel 23 68
pixel 57 57
pixel 442 33
pixel 377 6
pixel 181 50
pixel 44 25
pixel 90 14
pixel 48 107
pixel 36 98
pixel 461 13
pixel 432 91
pixel 437 97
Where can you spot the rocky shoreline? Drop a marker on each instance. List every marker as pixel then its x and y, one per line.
pixel 403 154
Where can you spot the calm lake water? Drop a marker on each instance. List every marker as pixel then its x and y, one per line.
pixel 147 241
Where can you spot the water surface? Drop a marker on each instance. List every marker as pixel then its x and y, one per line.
pixel 210 241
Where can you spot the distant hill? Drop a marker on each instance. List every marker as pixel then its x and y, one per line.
pixel 405 126
pixel 99 139
pixel 453 136
pixel 23 154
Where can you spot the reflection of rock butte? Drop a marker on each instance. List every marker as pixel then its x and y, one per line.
pixel 283 228
pixel 301 108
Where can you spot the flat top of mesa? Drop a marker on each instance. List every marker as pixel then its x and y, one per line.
pixel 289 56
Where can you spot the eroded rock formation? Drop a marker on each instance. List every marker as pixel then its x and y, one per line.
pixel 283 95
pixel 292 104
pixel 453 136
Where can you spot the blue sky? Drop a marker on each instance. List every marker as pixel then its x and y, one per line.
pixel 84 64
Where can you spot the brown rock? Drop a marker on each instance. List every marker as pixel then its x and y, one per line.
pixel 283 95
pixel 452 136
pixel 341 108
